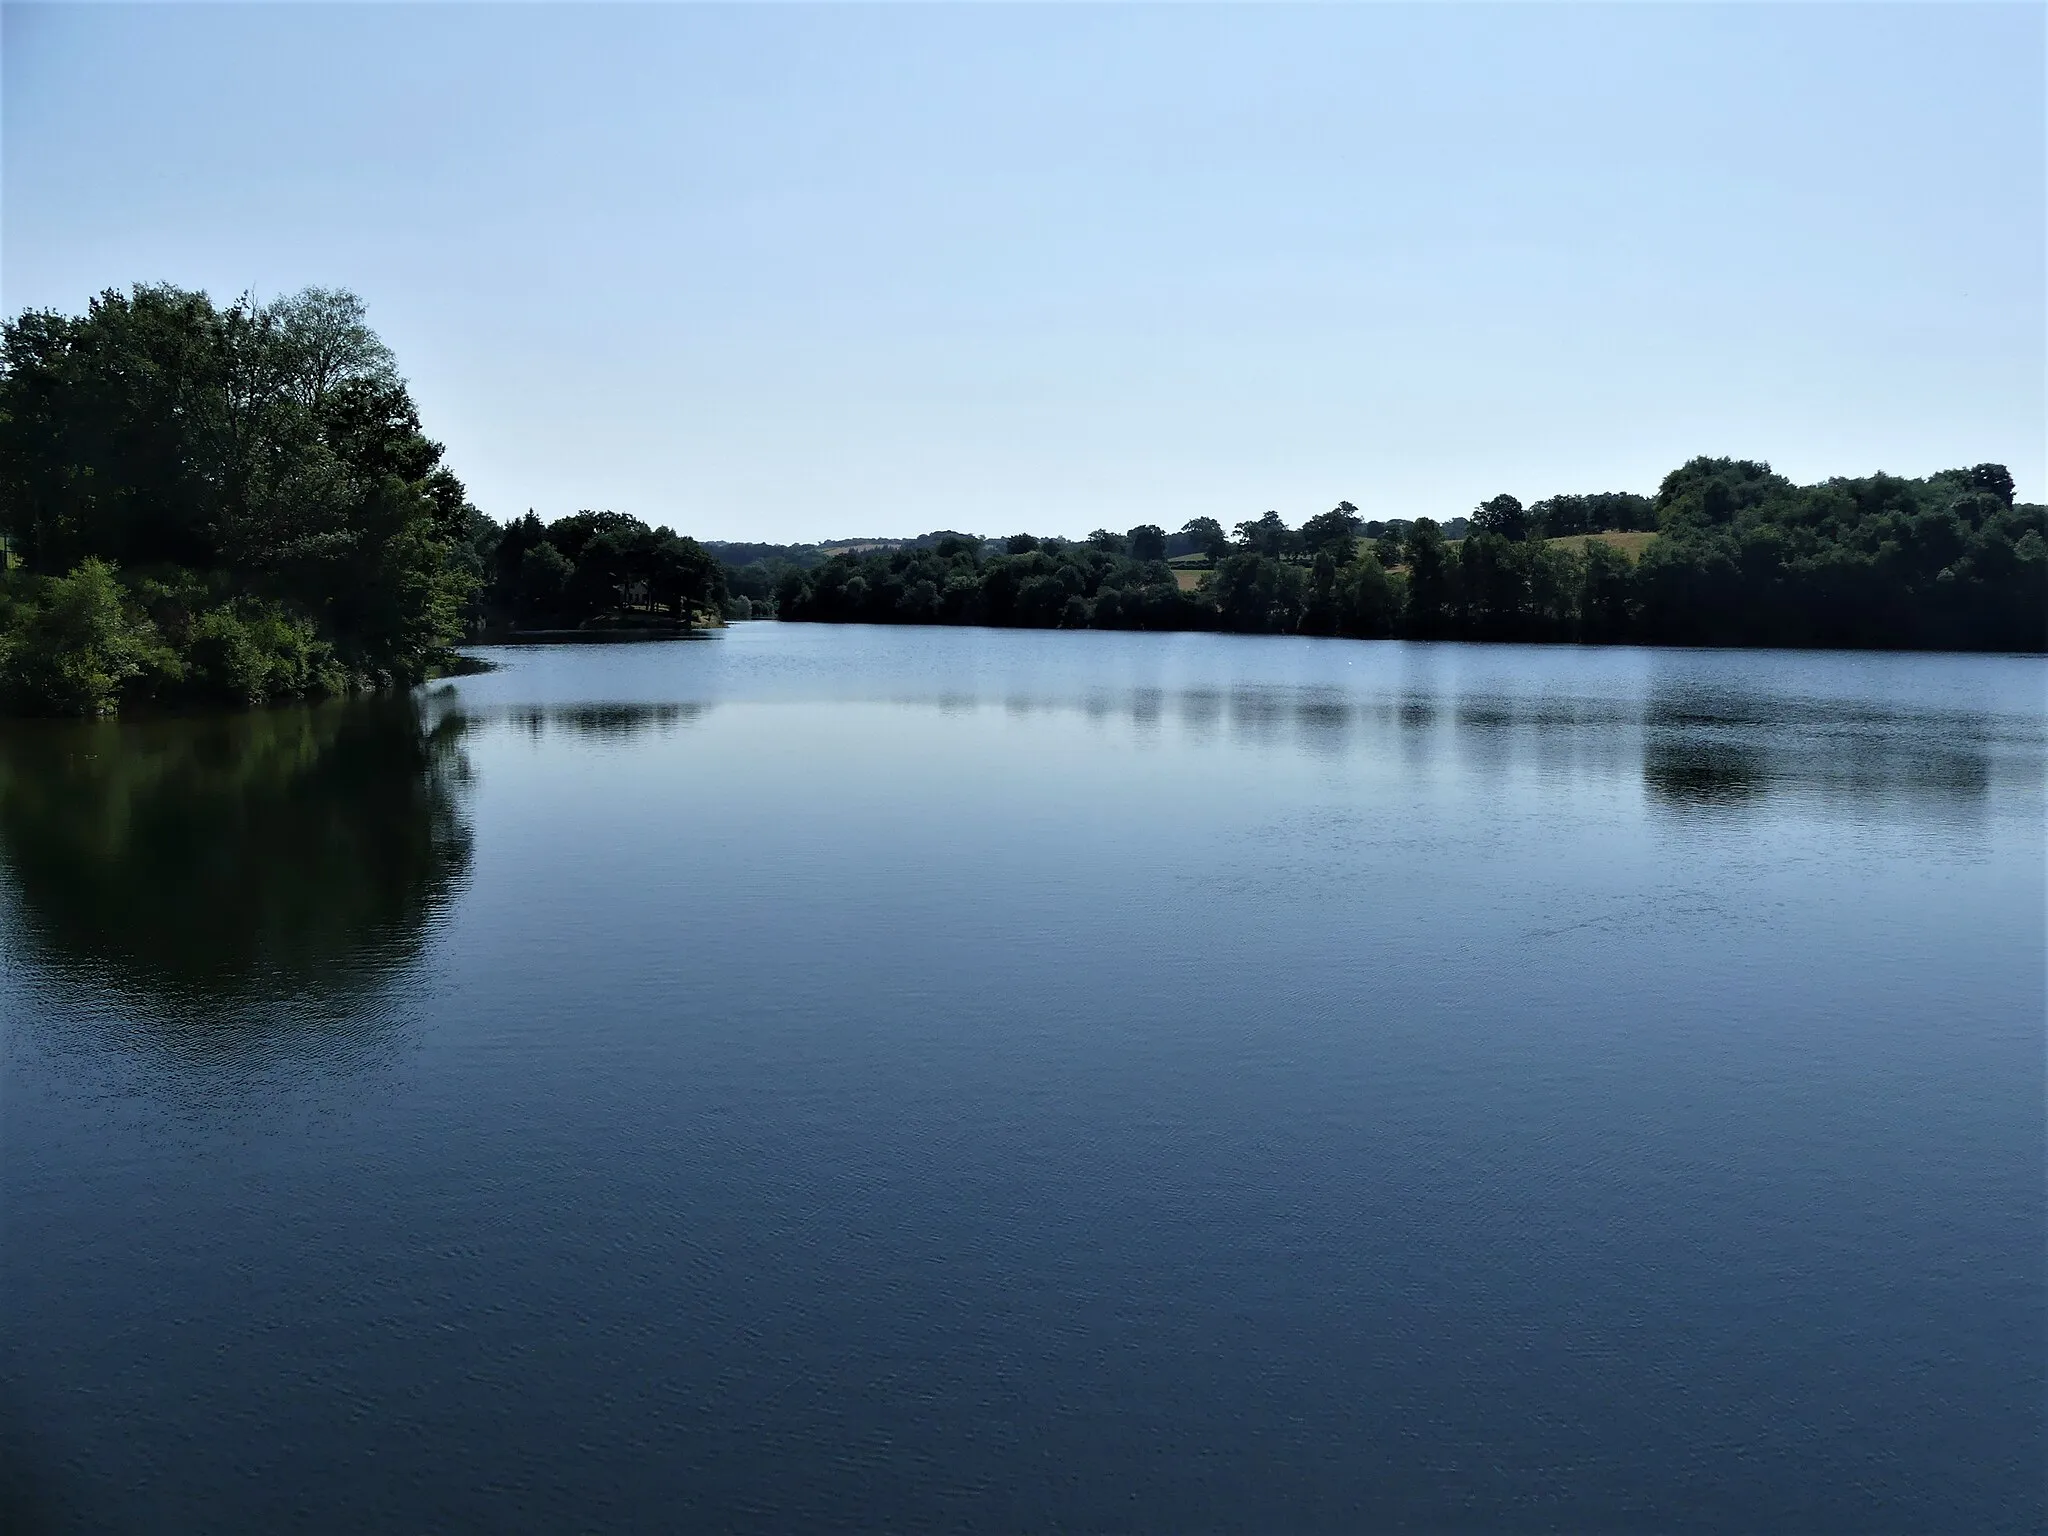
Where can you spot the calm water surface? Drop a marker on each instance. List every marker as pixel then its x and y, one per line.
pixel 918 1079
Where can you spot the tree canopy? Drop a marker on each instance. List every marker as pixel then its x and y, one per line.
pixel 590 565
pixel 235 502
pixel 1742 556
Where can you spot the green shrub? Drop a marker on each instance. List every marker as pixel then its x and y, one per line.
pixel 252 651
pixel 226 663
pixel 75 647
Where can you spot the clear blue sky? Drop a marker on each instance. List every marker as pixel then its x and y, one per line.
pixel 790 272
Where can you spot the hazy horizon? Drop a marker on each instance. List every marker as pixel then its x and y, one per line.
pixel 792 273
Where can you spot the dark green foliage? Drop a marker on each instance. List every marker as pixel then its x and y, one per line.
pixel 251 651
pixel 1744 558
pixel 1355 597
pixel 1334 532
pixel 540 586
pixel 1256 595
pixel 595 567
pixel 1267 536
pixel 1146 542
pixel 1508 590
pixel 1048 586
pixel 252 481
pixel 77 645
pixel 1606 594
pixel 758 581
pixel 1431 582
pixel 1205 536
pixel 1557 517
pixel 1748 558
pixel 1503 516
pixel 737 556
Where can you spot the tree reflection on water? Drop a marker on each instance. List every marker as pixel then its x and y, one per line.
pixel 200 863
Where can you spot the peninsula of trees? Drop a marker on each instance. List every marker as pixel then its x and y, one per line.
pixel 239 503
pixel 229 503
pixel 236 504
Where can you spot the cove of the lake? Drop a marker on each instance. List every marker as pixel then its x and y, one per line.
pixel 815 1078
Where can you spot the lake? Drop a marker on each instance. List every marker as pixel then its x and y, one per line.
pixel 920 1079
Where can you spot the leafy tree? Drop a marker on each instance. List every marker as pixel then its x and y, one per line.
pixel 1268 536
pixel 1208 535
pixel 1368 601
pixel 542 582
pixel 1606 594
pixel 1050 586
pixel 1708 492
pixel 1334 532
pixel 1147 541
pixel 1256 594
pixel 323 342
pixel 1504 516
pixel 1430 580
pixel 682 574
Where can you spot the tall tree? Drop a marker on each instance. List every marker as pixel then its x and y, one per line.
pixel 1503 515
pixel 1267 535
pixel 1147 541
pixel 1429 580
pixel 1334 532
pixel 1208 536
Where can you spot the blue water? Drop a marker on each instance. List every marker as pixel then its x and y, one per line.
pixel 932 1079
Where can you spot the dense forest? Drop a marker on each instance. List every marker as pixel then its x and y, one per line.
pixel 239 504
pixel 227 503
pixel 1740 556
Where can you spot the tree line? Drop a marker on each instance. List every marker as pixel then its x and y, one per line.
pixel 239 503
pixel 1740 555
